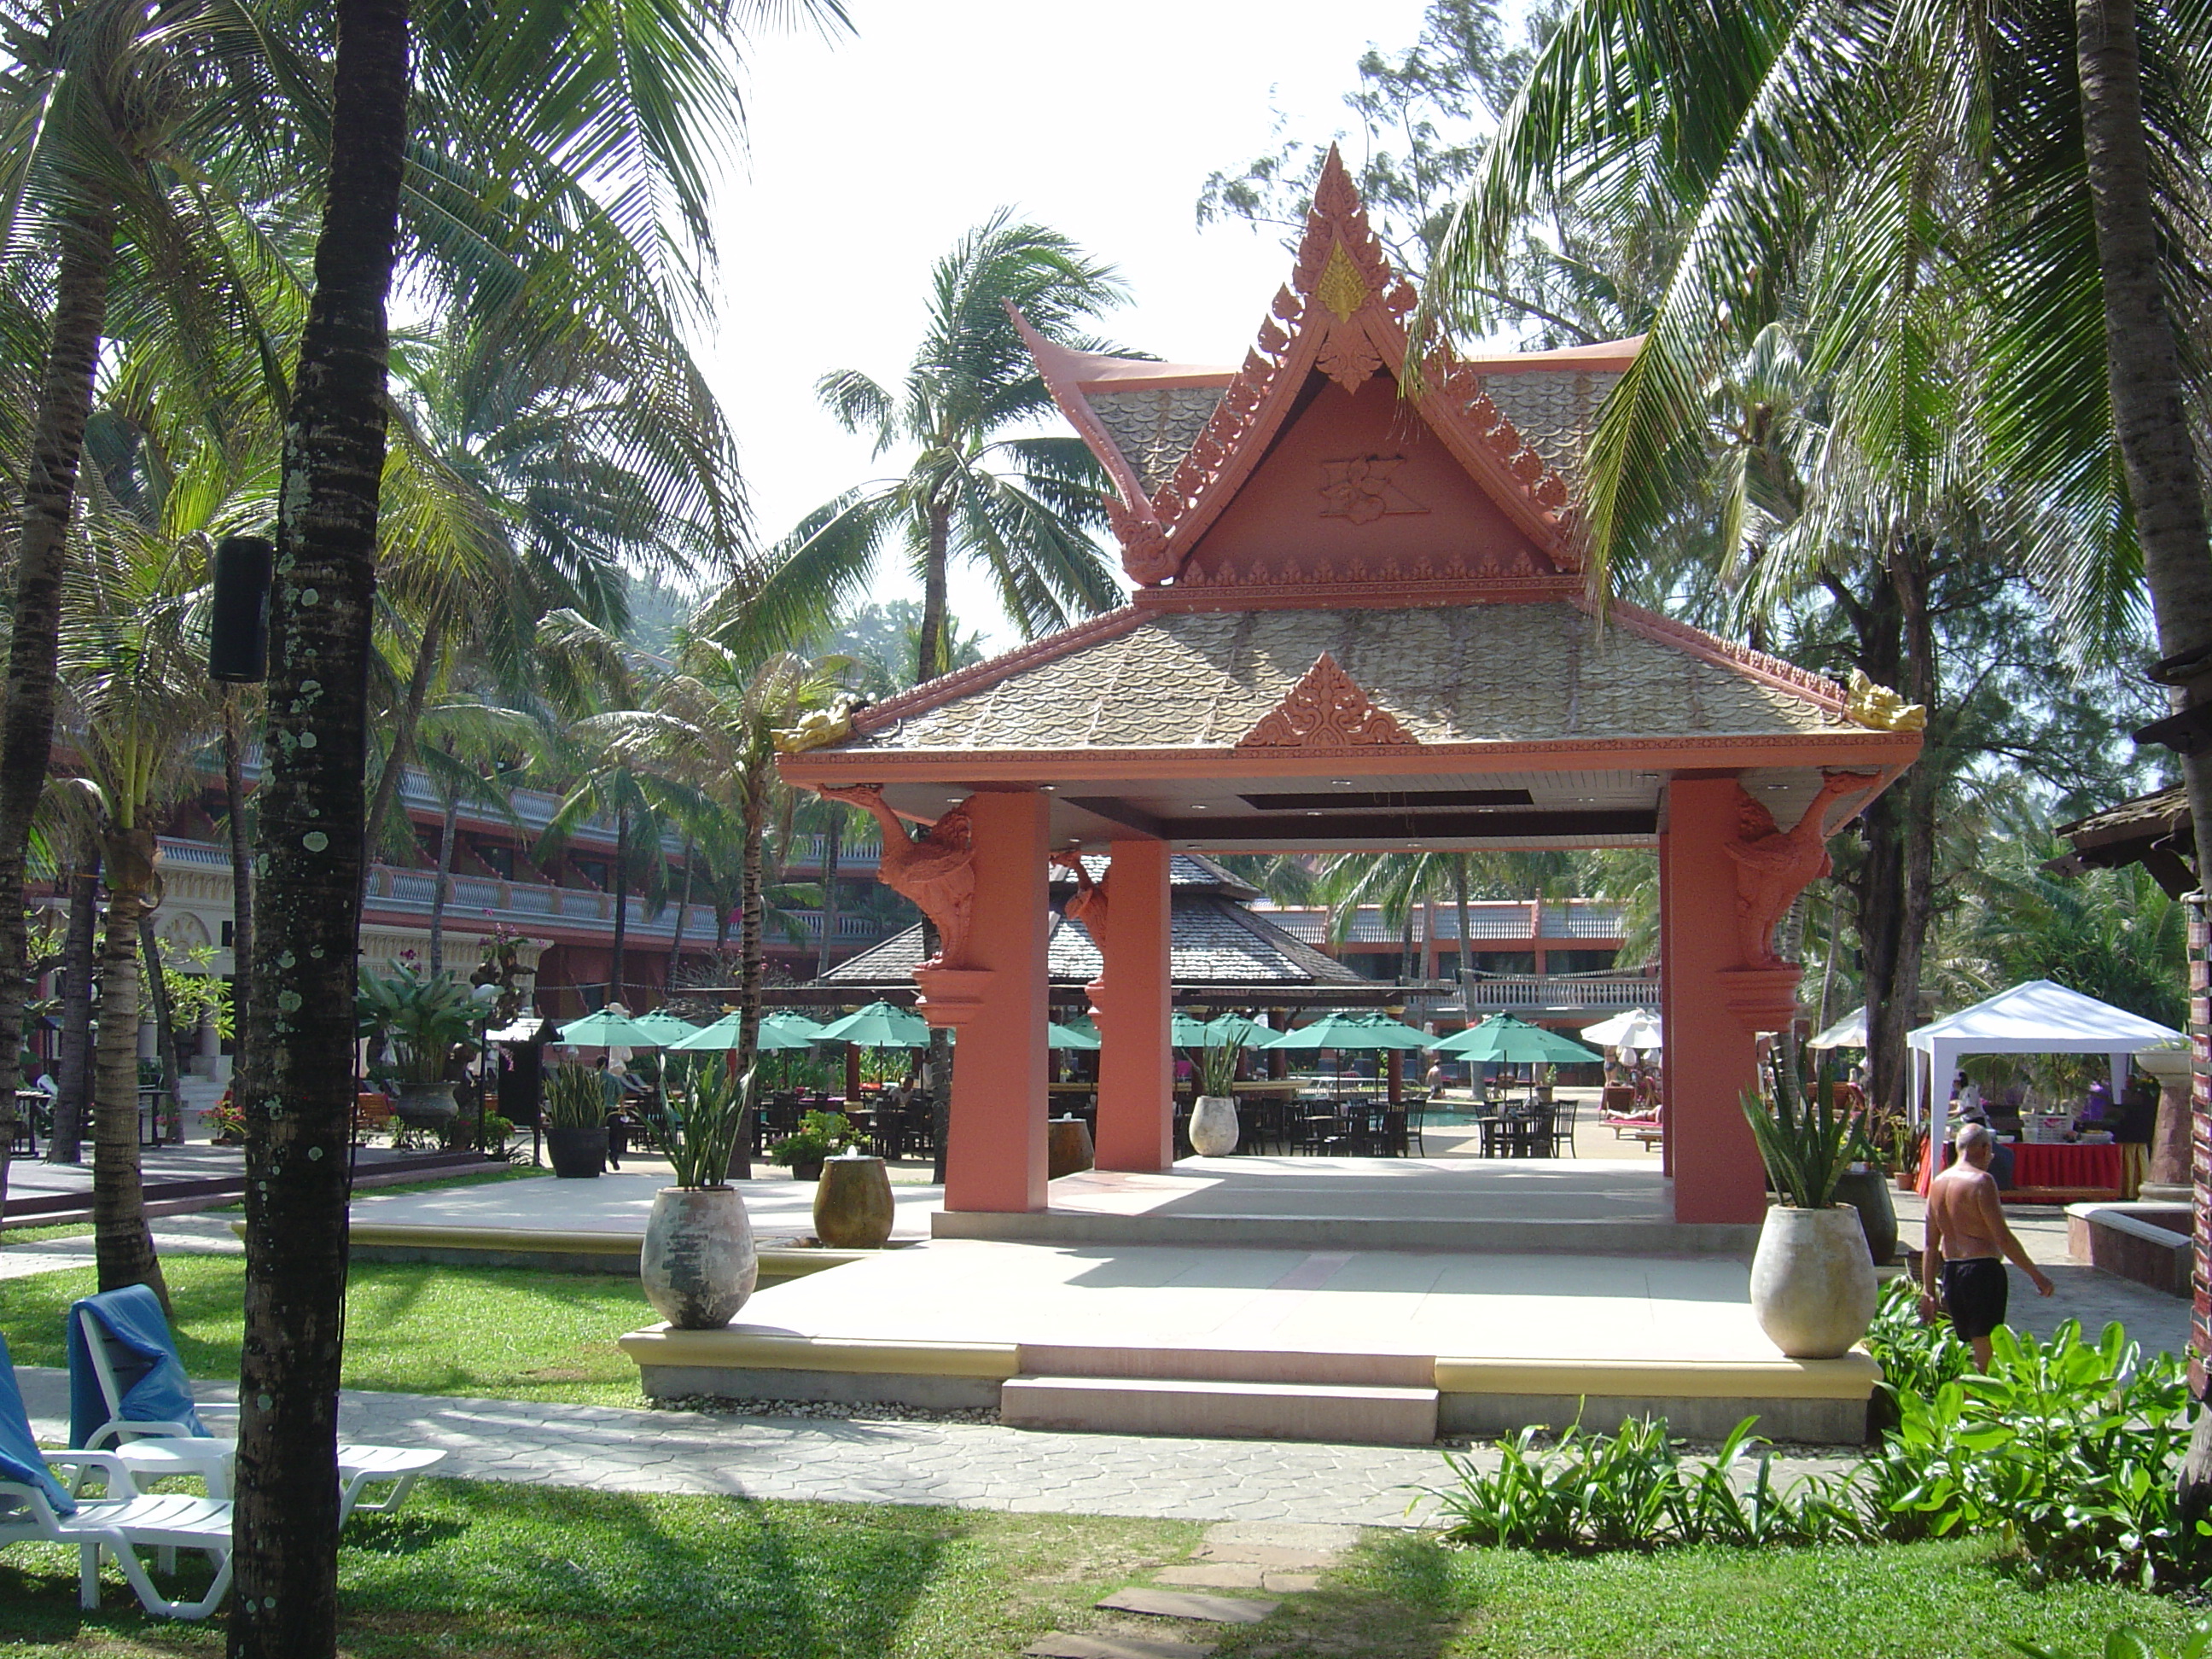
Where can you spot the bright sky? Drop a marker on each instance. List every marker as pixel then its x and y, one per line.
pixel 870 156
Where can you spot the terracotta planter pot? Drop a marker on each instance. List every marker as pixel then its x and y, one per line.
pixel 698 1264
pixel 807 1168
pixel 1812 1281
pixel 1067 1147
pixel 577 1154
pixel 1867 1191
pixel 1214 1126
pixel 852 1210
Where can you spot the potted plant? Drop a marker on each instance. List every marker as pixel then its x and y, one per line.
pixel 1812 1278
pixel 698 1263
pixel 1547 1078
pixel 427 1020
pixel 821 1134
pixel 575 1121
pixel 1214 1126
pixel 1864 1185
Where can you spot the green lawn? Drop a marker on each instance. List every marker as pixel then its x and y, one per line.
pixel 499 1570
pixel 501 1333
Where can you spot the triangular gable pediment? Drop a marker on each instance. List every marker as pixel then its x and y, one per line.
pixel 1338 517
pixel 1326 709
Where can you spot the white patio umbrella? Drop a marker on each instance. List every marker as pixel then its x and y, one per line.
pixel 1637 1029
pixel 1849 1032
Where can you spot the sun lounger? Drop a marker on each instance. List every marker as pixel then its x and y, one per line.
pixel 36 1506
pixel 128 1395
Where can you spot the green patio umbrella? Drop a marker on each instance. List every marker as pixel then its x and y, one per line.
pixel 791 1022
pixel 668 1028
pixel 1057 1036
pixel 1235 1028
pixel 722 1035
pixel 608 1030
pixel 1352 1031
pixel 1503 1040
pixel 879 1025
pixel 1184 1032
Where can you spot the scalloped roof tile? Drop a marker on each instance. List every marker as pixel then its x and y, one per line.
pixel 1482 673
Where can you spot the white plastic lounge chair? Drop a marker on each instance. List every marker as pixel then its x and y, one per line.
pixel 34 1505
pixel 155 1448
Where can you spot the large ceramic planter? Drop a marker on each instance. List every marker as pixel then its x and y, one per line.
pixel 1067 1147
pixel 2168 1179
pixel 1866 1190
pixel 426 1105
pixel 853 1207
pixel 1214 1126
pixel 698 1264
pixel 807 1168
pixel 1812 1281
pixel 577 1154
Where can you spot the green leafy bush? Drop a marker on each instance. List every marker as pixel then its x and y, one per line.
pixel 2129 1642
pixel 821 1134
pixel 1632 1490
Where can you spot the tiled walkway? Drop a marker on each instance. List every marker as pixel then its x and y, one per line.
pixel 964 1465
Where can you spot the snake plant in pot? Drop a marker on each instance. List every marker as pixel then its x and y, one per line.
pixel 575 1119
pixel 1214 1126
pixel 425 1019
pixel 1812 1279
pixel 698 1263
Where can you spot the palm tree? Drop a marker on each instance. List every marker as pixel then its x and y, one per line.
pixel 710 726
pixel 1022 506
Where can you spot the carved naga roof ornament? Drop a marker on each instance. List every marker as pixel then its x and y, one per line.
pixel 1881 709
pixel 936 869
pixel 1344 314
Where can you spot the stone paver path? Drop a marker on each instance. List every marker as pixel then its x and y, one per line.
pixel 964 1465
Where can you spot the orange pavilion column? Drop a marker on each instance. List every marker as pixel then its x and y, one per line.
pixel 1666 995
pixel 1710 1054
pixel 1133 996
pixel 996 1001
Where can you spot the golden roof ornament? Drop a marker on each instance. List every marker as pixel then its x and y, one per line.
pixel 817 728
pixel 1881 709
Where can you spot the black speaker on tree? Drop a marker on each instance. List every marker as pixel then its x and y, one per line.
pixel 238 630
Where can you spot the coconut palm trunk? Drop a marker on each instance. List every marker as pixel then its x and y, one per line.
pixel 73 1081
pixel 752 936
pixel 122 1245
pixel 676 937
pixel 241 874
pixel 2150 417
pixel 929 650
pixel 27 727
pixel 1466 944
pixel 155 997
pixel 622 904
pixel 445 883
pixel 388 781
pixel 310 817
pixel 833 847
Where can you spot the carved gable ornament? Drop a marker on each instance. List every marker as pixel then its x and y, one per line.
pixel 1361 489
pixel 1326 710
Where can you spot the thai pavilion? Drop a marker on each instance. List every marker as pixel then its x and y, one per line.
pixel 1360 622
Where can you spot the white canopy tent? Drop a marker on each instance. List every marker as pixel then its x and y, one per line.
pixel 1849 1032
pixel 2037 1017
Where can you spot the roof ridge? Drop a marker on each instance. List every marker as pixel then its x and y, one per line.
pixel 1784 676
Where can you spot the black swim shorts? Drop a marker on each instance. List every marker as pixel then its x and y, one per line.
pixel 1974 1294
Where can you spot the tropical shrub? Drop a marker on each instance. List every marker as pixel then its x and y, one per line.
pixel 2126 1642
pixel 704 1125
pixel 575 1098
pixel 821 1134
pixel 1806 1144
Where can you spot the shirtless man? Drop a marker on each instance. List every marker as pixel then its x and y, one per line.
pixel 1968 1238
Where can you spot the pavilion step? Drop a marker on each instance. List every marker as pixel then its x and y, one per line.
pixel 1262 1365
pixel 1255 1411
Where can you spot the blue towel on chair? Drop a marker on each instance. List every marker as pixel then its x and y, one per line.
pixel 143 1357
pixel 18 1452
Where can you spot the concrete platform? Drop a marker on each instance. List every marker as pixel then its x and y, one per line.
pixel 596 1225
pixel 1491 1340
pixel 178 1180
pixel 1518 1206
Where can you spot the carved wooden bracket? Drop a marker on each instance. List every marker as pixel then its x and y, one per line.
pixel 936 870
pixel 1771 867
pixel 1327 710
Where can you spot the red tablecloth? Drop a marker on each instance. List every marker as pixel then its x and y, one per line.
pixel 2055 1165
